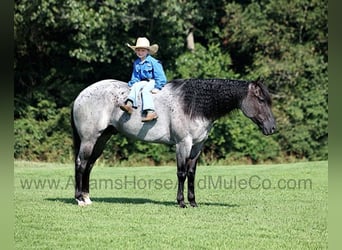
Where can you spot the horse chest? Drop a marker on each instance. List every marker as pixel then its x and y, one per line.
pixel 200 133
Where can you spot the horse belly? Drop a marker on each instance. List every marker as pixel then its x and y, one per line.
pixel 149 132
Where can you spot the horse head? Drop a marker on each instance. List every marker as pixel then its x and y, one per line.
pixel 257 106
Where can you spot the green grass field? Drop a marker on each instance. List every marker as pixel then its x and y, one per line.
pixel 281 206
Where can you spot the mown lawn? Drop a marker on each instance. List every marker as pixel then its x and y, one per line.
pixel 281 206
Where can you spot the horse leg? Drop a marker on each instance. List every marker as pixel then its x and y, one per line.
pixel 192 164
pixel 96 153
pixel 81 168
pixel 181 174
pixel 183 152
pixel 85 183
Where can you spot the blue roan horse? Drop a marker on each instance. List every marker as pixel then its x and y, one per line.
pixel 187 109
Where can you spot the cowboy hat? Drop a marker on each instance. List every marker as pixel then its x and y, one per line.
pixel 144 43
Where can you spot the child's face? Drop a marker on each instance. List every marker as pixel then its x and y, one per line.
pixel 141 53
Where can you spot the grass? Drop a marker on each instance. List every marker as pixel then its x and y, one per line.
pixel 240 207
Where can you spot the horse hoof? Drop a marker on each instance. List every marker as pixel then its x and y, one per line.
pixel 84 202
pixel 193 204
pixel 80 203
pixel 87 201
pixel 182 205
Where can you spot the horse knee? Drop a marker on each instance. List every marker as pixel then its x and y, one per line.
pixel 77 163
pixel 83 156
pixel 86 150
pixel 191 175
pixel 181 175
pixel 80 166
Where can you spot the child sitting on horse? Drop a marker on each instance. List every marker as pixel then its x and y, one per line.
pixel 148 76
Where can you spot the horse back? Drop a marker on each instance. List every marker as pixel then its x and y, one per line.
pixel 98 106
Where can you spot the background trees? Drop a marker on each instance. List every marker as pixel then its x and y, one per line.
pixel 63 46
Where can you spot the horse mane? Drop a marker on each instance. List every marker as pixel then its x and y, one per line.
pixel 212 98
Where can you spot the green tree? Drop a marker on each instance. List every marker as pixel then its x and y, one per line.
pixel 63 46
pixel 285 42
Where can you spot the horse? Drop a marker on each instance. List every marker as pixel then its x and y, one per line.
pixel 187 109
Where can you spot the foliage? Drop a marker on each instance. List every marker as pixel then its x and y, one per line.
pixel 235 137
pixel 204 63
pixel 63 46
pixel 286 44
pixel 41 134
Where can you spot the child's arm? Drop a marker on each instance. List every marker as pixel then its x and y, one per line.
pixel 159 75
pixel 135 76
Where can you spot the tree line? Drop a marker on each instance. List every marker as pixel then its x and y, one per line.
pixel 61 47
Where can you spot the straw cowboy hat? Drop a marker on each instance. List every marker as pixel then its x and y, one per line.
pixel 143 42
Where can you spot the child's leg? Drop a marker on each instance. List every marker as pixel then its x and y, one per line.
pixel 147 96
pixel 135 90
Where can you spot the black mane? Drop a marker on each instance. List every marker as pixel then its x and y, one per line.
pixel 210 98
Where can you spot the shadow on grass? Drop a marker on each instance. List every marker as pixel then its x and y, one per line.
pixel 126 200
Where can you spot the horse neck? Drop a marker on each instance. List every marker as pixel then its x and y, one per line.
pixel 212 99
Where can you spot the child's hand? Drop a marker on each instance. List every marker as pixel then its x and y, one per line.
pixel 155 91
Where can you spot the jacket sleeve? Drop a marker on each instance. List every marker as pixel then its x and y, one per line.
pixel 135 76
pixel 159 75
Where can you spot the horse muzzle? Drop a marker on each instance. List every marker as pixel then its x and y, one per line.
pixel 268 128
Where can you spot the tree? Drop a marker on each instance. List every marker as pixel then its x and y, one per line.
pixel 63 46
pixel 286 44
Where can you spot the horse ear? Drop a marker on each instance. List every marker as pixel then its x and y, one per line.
pixel 255 89
pixel 259 80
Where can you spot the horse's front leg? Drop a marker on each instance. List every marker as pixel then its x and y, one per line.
pixel 183 152
pixel 192 163
pixel 181 174
pixel 191 182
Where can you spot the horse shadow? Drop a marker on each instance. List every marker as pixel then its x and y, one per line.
pixel 138 201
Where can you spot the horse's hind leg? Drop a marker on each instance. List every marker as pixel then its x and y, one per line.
pixel 91 152
pixel 82 166
pixel 85 183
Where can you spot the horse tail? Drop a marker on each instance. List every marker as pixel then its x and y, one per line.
pixel 75 136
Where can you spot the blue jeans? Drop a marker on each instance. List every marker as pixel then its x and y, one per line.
pixel 145 88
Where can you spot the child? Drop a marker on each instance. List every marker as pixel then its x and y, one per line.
pixel 148 77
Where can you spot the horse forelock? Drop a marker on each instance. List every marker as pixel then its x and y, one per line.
pixel 209 98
